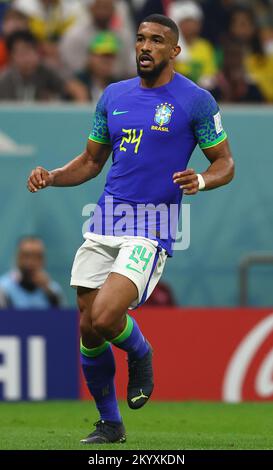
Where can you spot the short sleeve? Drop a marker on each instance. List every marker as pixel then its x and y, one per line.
pixel 207 124
pixel 100 131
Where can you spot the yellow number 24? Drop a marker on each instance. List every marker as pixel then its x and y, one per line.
pixel 131 138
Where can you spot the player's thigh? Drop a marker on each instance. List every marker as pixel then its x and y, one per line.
pixel 138 260
pixel 85 300
pixel 113 299
pixel 92 264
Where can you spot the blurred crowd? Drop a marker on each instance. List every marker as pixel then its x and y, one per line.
pixel 72 49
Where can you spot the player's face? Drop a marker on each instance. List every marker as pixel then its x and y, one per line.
pixel 155 48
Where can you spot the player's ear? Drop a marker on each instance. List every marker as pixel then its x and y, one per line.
pixel 175 51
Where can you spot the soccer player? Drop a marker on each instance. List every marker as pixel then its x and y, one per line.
pixel 152 124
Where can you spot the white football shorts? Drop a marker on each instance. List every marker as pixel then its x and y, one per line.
pixel 138 258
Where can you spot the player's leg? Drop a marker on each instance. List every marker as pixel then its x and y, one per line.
pixel 92 264
pixel 123 288
pixel 98 365
pixel 110 319
pixel 135 273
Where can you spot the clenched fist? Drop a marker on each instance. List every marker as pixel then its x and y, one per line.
pixel 39 178
pixel 187 180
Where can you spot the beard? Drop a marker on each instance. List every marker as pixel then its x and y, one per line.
pixel 154 73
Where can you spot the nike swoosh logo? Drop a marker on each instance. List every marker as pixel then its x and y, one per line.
pixel 116 112
pixel 133 400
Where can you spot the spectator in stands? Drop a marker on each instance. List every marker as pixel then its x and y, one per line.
pixel 216 19
pixel 264 16
pixel 99 73
pixel 161 296
pixel 197 60
pixel 101 15
pixel 145 8
pixel 244 29
pixel 13 21
pixel 28 79
pixel 49 19
pixel 29 285
pixel 232 84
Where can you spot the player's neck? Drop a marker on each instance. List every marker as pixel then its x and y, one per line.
pixel 163 79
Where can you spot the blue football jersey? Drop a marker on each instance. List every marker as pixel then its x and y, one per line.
pixel 153 132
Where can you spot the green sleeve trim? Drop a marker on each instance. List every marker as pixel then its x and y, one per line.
pixel 100 141
pixel 125 333
pixel 215 142
pixel 94 352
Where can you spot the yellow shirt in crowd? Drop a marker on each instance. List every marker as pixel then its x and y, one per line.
pixel 260 69
pixel 198 62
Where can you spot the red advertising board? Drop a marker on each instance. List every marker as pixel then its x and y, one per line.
pixel 206 353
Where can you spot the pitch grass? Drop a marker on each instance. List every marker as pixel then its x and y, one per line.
pixel 159 425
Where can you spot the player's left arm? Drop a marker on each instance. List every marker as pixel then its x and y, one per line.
pixel 221 169
pixel 212 139
pixel 219 173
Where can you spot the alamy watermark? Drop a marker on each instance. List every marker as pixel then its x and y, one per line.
pixel 144 220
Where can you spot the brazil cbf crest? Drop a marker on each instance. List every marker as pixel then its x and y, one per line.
pixel 163 114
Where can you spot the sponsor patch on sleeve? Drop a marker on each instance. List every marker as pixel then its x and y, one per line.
pixel 218 123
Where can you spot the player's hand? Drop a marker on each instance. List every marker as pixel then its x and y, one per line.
pixel 187 181
pixel 41 279
pixel 39 178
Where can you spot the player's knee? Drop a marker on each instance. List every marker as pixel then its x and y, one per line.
pixel 103 325
pixel 102 319
pixel 105 318
pixel 85 325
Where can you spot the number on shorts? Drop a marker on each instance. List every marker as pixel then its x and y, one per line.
pixel 138 255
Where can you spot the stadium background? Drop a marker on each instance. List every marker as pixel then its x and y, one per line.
pixel 224 348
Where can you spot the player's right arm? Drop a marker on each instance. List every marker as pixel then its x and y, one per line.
pixel 84 167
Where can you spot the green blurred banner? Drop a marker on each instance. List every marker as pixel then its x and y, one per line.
pixel 226 224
